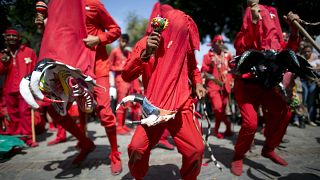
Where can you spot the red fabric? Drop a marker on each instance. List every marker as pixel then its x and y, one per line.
pixel 186 137
pixel 18 110
pixel 249 97
pixel 64 33
pixel 219 103
pixel 217 38
pixel 104 111
pixel 166 84
pixel 221 73
pixel 97 21
pixel 11 31
pixel 264 35
pixel 166 75
pixel 17 68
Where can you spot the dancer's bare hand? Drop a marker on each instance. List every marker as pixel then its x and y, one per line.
pixel 289 18
pixel 91 41
pixel 200 91
pixel 153 42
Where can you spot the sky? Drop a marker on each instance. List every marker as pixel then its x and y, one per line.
pixel 119 10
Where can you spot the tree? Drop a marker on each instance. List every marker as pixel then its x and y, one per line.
pixel 20 14
pixel 136 27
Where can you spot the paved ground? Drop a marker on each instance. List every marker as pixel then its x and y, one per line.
pixel 54 162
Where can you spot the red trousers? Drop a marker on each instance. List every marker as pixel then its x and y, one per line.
pixel 20 114
pixel 184 129
pixel 122 91
pixel 219 102
pixel 67 123
pixel 277 115
pixel 102 96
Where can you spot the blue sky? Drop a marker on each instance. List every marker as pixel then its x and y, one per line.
pixel 119 9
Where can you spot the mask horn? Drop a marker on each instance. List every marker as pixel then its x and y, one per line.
pixel 26 93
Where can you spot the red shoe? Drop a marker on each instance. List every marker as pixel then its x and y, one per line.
pixel 165 144
pixel 56 141
pixel 274 157
pixel 85 150
pixel 116 166
pixel 122 131
pixel 219 135
pixel 236 167
pixel 30 143
pixel 127 128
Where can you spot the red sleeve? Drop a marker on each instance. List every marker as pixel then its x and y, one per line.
pixel 248 35
pixel 34 59
pixel 3 66
pixel 134 67
pixel 112 59
pixel 108 23
pixel 206 64
pixel 293 43
pixel 194 73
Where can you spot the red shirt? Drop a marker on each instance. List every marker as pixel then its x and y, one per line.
pixel 17 68
pixel 219 69
pixel 166 87
pixel 118 59
pixel 97 21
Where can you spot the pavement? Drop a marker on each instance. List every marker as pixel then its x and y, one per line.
pixel 302 152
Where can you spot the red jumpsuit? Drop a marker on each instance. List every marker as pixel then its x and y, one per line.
pixel 69 34
pixel 261 36
pixel 118 59
pixel 97 20
pixel 166 81
pixel 15 69
pixel 218 95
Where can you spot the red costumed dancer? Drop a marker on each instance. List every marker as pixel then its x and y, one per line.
pixel 260 31
pixel 98 20
pixel 167 63
pixel 118 58
pixel 16 62
pixel 215 68
pixel 63 41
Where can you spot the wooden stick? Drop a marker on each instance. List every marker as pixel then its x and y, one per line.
pixel 33 126
pixel 306 34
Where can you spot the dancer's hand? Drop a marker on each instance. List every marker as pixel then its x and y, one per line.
pixel 152 44
pixel 91 41
pixel 200 91
pixel 289 18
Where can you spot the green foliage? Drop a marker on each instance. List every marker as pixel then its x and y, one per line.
pixel 20 15
pixel 136 27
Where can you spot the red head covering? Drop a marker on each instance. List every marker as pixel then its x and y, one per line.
pixel 217 38
pixel 63 36
pixel 11 31
pixel 168 87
